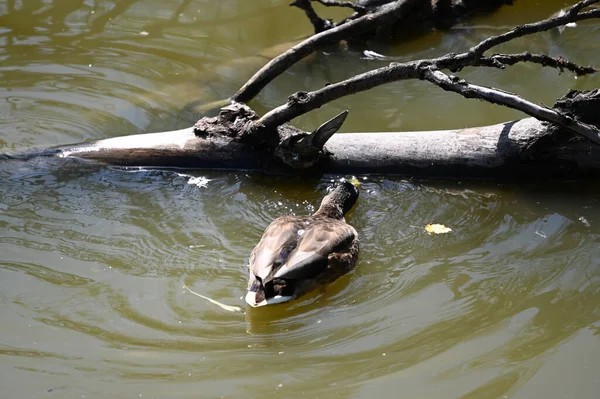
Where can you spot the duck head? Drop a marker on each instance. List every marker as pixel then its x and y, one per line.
pixel 339 201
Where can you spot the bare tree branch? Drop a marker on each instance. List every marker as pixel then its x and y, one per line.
pixel 500 97
pixel 347 4
pixel 544 60
pixel 303 102
pixel 281 63
pixel 238 138
pixel 571 15
pixel 319 24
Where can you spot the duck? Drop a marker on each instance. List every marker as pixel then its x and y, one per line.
pixel 299 254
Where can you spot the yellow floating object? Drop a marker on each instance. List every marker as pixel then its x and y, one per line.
pixel 434 228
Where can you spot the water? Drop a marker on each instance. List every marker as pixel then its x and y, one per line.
pixel 93 259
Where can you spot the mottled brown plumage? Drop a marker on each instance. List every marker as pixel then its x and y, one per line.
pixel 298 254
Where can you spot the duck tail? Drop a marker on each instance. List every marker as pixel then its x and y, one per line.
pixel 256 291
pixel 269 293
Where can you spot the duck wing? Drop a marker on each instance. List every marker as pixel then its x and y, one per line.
pixel 319 240
pixel 277 243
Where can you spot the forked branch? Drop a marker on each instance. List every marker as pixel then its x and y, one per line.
pixel 430 70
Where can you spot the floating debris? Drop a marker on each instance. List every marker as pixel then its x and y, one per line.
pixel 434 228
pixel 228 308
pixel 198 181
pixel 585 222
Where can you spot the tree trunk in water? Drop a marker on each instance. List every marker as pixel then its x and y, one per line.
pixel 525 148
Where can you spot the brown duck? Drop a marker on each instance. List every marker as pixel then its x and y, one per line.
pixel 298 254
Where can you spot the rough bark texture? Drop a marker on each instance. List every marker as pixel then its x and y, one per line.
pixel 524 148
pixel 581 104
pixel 521 149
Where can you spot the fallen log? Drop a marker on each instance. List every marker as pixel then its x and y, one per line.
pixel 525 148
pixel 562 142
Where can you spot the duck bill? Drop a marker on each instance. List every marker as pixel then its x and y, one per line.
pixel 251 300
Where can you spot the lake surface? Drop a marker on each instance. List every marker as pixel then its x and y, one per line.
pixel 93 259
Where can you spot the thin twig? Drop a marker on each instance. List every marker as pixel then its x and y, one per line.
pixel 318 23
pixel 571 15
pixel 545 60
pixel 228 308
pixel 346 4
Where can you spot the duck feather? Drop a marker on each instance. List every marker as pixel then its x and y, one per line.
pixel 298 253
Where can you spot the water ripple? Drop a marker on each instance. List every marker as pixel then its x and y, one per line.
pixel 117 246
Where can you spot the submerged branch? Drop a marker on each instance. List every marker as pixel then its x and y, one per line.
pixel 320 24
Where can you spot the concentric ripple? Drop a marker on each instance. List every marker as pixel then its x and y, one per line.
pixel 98 256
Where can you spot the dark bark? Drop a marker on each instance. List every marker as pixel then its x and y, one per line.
pixel 429 14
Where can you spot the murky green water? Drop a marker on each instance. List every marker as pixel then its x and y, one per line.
pixel 93 258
